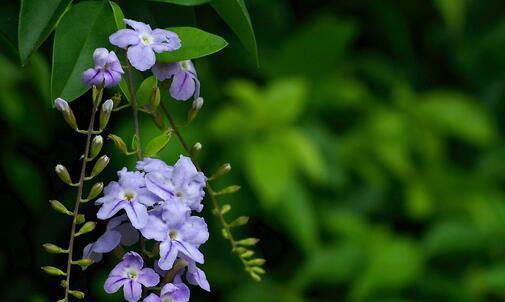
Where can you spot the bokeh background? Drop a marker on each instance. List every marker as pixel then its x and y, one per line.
pixel 368 144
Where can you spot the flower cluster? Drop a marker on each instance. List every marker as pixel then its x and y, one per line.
pixel 141 44
pixel 157 201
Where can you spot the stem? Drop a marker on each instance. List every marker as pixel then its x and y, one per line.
pixel 79 194
pixel 133 98
pixel 208 187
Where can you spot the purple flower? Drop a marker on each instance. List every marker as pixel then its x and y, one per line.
pixel 194 275
pixel 185 82
pixel 183 182
pixel 129 194
pixel 107 70
pixel 131 275
pixel 174 292
pixel 142 42
pixel 115 233
pixel 178 232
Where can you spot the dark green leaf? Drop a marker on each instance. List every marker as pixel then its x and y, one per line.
pixel 157 144
pixel 184 2
pixel 196 43
pixel 37 19
pixel 235 14
pixel 74 44
pixel 118 15
pixel 146 90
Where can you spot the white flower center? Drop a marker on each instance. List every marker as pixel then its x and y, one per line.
pixel 146 38
pixel 185 65
pixel 167 299
pixel 131 274
pixel 128 195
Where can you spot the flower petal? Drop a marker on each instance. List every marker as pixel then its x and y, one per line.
pixel 124 38
pixel 114 283
pixel 141 57
pixel 164 71
pixel 189 250
pixel 100 57
pixel 155 229
pixel 152 298
pixel 137 213
pixel 183 86
pixel 168 253
pixel 107 210
pixel 148 277
pixel 138 26
pixel 132 291
pixel 129 235
pixel 196 276
pixel 107 242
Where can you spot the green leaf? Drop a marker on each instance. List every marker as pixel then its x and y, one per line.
pixel 37 19
pixel 118 15
pixel 195 43
pixel 84 28
pixel 453 13
pixel 184 2
pixel 146 90
pixel 157 144
pixel 235 14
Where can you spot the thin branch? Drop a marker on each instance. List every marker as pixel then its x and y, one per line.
pixel 79 195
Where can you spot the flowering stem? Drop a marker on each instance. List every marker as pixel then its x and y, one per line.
pixel 78 199
pixel 212 194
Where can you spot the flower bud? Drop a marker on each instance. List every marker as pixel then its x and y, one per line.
pixel 258 270
pixel 119 143
pixel 86 228
pixel 63 107
pixel 225 168
pixel 248 241
pixel 100 164
pixel 196 147
pixel 255 276
pixel 64 284
pixel 80 219
pixel 54 249
pixel 83 262
pixel 77 294
pixel 257 261
pixel 229 190
pixel 225 209
pixel 239 221
pixel 51 270
pixel 63 174
pixel 96 146
pixel 58 206
pixel 96 189
pixel 107 107
pixel 196 106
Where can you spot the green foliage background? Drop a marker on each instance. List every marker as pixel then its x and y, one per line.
pixel 369 146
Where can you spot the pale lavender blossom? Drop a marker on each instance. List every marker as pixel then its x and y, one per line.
pixel 142 42
pixel 130 194
pixel 131 275
pixel 118 231
pixel 194 275
pixel 174 292
pixel 185 82
pixel 178 232
pixel 183 182
pixel 107 71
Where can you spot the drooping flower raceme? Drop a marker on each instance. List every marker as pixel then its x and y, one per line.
pixel 130 194
pixel 174 292
pixel 131 275
pixel 142 42
pixel 107 70
pixel 185 82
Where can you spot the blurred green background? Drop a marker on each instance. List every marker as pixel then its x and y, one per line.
pixel 369 146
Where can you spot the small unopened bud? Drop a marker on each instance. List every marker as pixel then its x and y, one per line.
pixel 77 294
pixel 54 249
pixel 107 107
pixel 51 270
pixel 119 143
pixel 63 107
pixel 83 262
pixel 96 189
pixel 255 262
pixel 225 233
pixel 96 146
pixel 258 270
pixel 247 254
pixel 100 164
pixel 225 168
pixel 248 241
pixel 64 283
pixel 80 219
pixel 229 190
pixel 255 276
pixel 198 103
pixel 63 174
pixel 58 206
pixel 196 106
pixel 239 221
pixel 196 147
pixel 86 228
pixel 225 209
